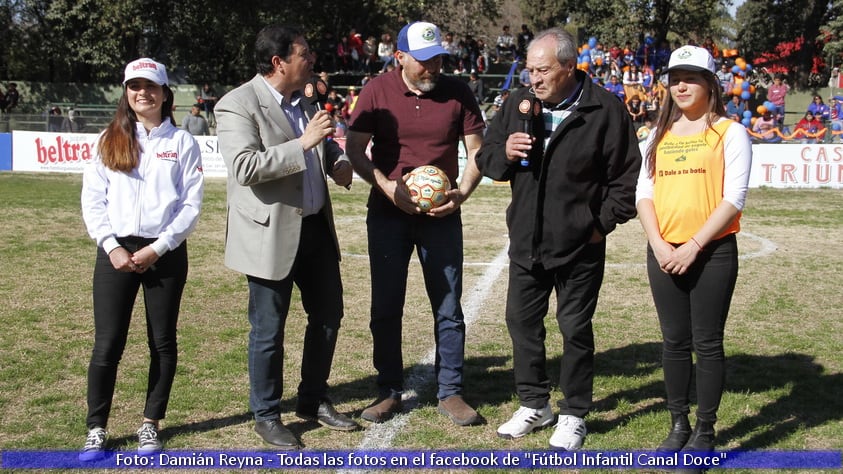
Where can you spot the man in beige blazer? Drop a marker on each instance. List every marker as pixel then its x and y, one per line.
pixel 280 228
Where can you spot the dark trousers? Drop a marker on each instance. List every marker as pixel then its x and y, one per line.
pixel 114 297
pixel 577 285
pixel 439 245
pixel 692 311
pixel 316 273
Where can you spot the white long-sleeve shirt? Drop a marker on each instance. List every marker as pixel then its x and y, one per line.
pixel 160 199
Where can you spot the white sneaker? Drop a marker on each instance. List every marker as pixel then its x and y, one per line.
pixel 94 445
pixel 569 433
pixel 525 420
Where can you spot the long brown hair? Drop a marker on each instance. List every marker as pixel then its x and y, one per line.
pixel 118 145
pixel 670 112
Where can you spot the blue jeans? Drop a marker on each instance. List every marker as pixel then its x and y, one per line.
pixel 439 245
pixel 316 272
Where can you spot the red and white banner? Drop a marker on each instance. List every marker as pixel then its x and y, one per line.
pixel 69 152
pixel 774 165
pixel 797 166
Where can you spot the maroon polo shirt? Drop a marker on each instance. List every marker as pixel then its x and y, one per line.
pixel 409 130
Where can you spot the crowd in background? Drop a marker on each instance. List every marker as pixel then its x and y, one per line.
pixel 632 72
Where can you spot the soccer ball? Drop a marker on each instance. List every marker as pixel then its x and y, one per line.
pixel 427 185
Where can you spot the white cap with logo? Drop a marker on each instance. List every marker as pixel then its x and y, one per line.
pixel 421 40
pixel 145 68
pixel 692 58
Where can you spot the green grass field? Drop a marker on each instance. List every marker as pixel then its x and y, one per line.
pixel 783 335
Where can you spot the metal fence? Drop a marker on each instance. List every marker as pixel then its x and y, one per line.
pixel 78 118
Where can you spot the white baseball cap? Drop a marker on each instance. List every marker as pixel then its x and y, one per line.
pixel 692 58
pixel 421 40
pixel 146 68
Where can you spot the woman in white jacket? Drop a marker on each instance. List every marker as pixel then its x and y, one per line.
pixel 141 198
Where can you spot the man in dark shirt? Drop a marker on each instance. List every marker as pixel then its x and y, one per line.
pixel 416 117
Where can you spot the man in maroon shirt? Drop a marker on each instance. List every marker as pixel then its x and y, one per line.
pixel 414 117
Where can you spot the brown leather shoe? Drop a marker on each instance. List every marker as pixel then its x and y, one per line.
pixel 455 408
pixel 382 409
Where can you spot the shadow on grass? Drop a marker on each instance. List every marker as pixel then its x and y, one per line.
pixel 813 398
pixel 176 430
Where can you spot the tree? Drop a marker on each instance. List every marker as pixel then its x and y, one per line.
pixel 832 33
pixel 782 33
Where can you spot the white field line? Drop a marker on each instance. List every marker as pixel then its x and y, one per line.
pixel 380 436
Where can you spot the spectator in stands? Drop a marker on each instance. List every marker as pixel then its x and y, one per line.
pixel 524 77
pixel 350 102
pixel 524 38
pixel 195 123
pixel 776 94
pixel 12 97
pixel 628 56
pixel 708 43
pixel 615 87
pixel 343 55
pixel 208 99
pixel 504 45
pixel 141 199
pixel 808 128
pixel 451 60
pixel 476 86
pixel 632 77
pixel 2 101
pixel 497 103
pixel 766 127
pixel 725 78
pixel 636 110
pixel 335 98
pixel 819 108
pixel 386 51
pixel 647 78
pixel 54 119
pixel 836 117
pixel 355 42
pixel 74 122
pixel 370 54
pixel 735 108
pixel 482 61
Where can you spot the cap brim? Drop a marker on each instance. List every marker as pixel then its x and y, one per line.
pixel 426 53
pixel 688 67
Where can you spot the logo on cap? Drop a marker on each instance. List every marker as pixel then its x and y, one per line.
pixel 428 34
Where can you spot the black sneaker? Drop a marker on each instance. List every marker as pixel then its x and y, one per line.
pixel 148 442
pixel 94 445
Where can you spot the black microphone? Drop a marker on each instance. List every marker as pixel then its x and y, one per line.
pixel 316 94
pixel 525 116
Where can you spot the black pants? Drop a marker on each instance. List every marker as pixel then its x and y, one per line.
pixel 692 311
pixel 577 286
pixel 114 298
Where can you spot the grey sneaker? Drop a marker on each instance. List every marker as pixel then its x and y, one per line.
pixel 148 442
pixel 94 445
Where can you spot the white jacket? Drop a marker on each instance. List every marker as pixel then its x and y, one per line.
pixel 160 199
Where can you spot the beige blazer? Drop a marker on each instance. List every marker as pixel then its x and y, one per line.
pixel 265 181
